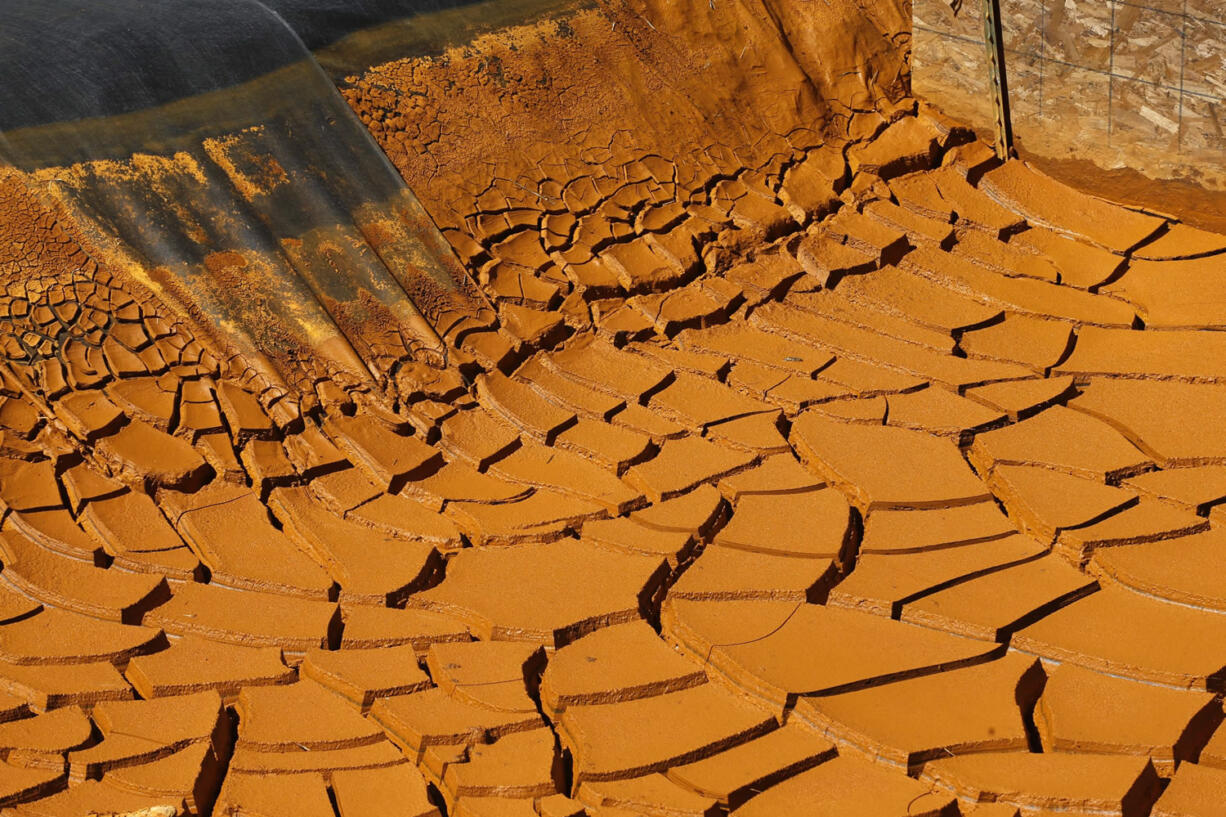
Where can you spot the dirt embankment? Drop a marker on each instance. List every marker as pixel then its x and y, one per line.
pixel 718 85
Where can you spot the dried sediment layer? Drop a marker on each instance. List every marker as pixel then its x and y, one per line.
pixel 532 114
pixel 789 473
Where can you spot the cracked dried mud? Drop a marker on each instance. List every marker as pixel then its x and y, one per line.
pixel 780 452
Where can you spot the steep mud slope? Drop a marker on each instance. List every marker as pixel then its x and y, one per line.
pixel 796 457
pixel 717 89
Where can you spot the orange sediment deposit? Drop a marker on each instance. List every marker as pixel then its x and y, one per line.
pixel 748 442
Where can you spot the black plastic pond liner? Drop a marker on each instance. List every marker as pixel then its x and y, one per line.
pixel 201 144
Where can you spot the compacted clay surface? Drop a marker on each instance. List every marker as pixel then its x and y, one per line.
pixel 817 464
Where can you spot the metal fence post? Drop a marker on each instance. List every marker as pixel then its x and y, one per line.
pixel 994 40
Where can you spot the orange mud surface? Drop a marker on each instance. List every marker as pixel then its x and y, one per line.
pixel 816 465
